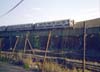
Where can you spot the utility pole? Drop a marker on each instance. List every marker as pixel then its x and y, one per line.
pixel 84 48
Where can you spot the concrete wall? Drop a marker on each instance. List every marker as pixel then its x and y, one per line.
pixel 89 23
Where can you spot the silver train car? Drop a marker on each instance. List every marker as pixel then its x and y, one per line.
pixel 20 27
pixel 54 24
pixel 39 26
pixel 2 28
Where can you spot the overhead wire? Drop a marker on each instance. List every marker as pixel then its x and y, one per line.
pixel 10 10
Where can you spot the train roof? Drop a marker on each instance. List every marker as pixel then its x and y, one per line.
pixel 53 21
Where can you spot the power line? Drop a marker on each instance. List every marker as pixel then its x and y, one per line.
pixel 12 8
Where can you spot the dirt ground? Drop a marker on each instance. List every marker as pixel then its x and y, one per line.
pixel 4 67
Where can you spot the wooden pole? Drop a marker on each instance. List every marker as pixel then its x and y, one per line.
pixel 49 36
pixel 0 42
pixel 27 41
pixel 84 48
pixel 30 45
pixel 0 46
pixel 48 41
pixel 15 44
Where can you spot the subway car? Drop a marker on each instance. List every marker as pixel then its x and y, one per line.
pixel 54 24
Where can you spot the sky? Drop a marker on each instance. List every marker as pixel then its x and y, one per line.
pixel 33 11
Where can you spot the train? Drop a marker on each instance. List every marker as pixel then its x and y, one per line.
pixel 20 27
pixel 39 26
pixel 3 28
pixel 54 24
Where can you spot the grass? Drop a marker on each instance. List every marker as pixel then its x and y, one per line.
pixel 48 66
pixel 54 67
pixel 26 66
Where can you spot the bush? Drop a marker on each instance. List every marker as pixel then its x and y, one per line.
pixel 26 66
pixel 52 67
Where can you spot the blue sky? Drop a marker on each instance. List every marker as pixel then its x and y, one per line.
pixel 31 11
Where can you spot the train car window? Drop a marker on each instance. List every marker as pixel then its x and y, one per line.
pixel 53 22
pixel 60 22
pixel 40 26
pixel 58 25
pixel 49 23
pixel 49 26
pixel 66 24
pixel 57 22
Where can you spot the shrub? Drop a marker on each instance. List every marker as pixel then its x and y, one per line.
pixel 26 66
